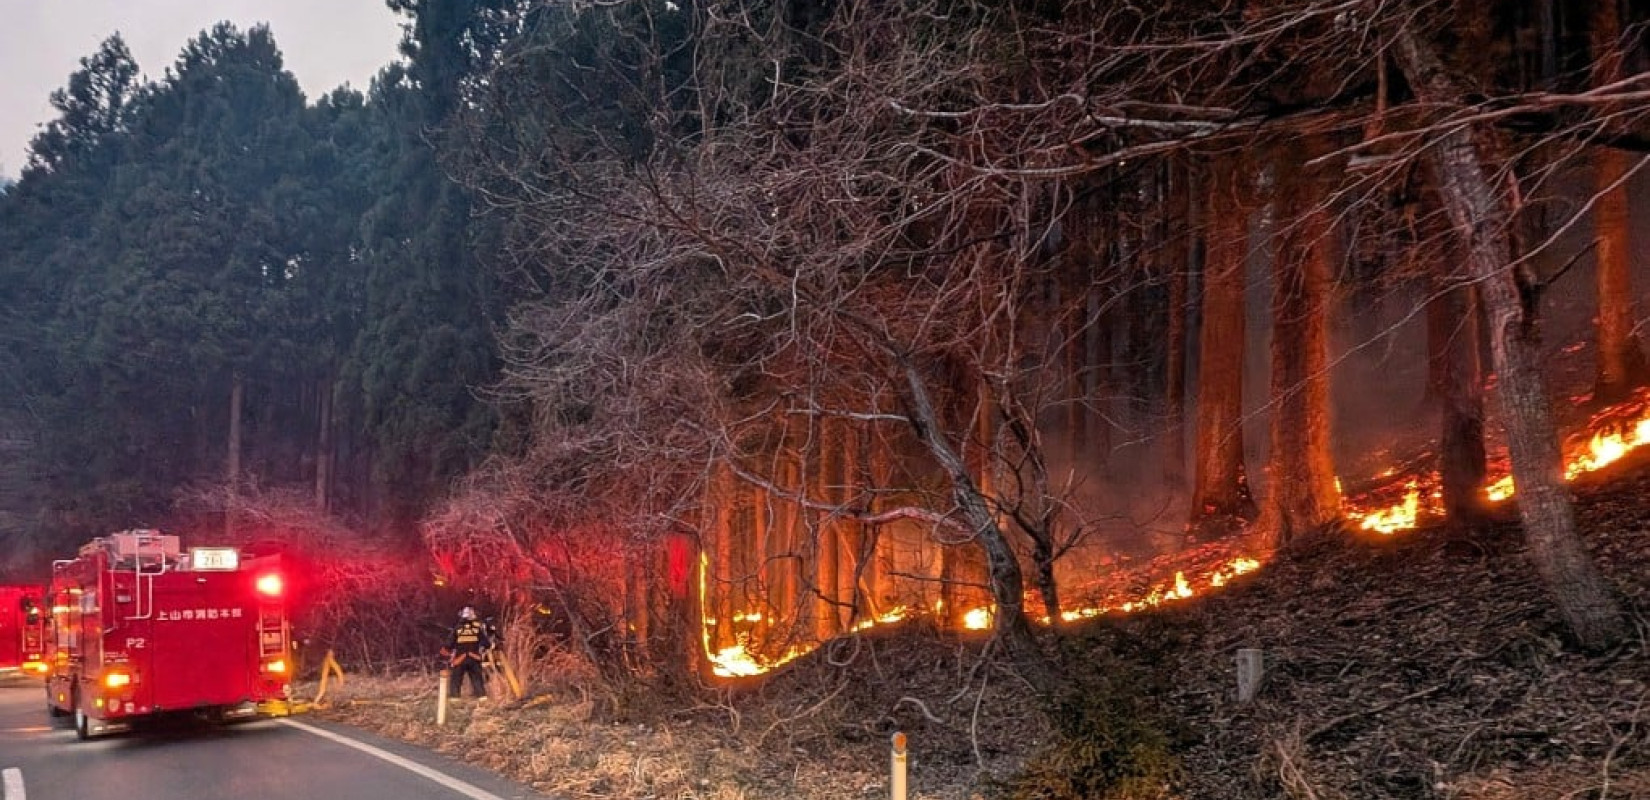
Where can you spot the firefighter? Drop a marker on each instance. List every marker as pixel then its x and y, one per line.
pixel 465 651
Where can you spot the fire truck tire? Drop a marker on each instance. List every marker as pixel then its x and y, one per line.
pixel 82 723
pixel 52 709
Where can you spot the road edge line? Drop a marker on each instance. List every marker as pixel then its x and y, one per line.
pixel 466 789
pixel 11 784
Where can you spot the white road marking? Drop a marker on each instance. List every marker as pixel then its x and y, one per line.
pixel 12 779
pixel 466 789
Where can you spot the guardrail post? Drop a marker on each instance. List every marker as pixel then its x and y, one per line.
pixel 896 782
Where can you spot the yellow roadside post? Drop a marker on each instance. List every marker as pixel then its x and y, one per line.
pixel 896 782
pixel 441 698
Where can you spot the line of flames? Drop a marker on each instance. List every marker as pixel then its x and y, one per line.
pixel 1609 437
pixel 736 661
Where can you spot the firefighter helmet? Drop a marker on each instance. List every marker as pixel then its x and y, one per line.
pixel 467 613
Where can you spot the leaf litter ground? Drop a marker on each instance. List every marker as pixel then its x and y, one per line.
pixel 1430 664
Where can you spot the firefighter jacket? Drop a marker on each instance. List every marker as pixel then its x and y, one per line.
pixel 469 640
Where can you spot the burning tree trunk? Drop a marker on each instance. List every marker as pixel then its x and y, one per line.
pixel 1301 495
pixel 850 533
pixel 1621 365
pixel 877 593
pixel 1510 296
pixel 1458 388
pixel 828 551
pixel 1221 493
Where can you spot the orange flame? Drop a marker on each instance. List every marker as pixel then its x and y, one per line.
pixel 1390 520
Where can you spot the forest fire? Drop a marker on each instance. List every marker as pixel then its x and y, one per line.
pixel 1400 505
pixel 737 660
pixel 1608 436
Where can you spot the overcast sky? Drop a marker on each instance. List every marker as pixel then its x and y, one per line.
pixel 325 43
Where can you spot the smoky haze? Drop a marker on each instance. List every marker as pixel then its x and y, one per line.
pixel 326 43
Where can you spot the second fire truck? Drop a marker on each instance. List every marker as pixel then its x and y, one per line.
pixel 141 627
pixel 22 630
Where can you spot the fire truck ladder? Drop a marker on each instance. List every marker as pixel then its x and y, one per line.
pixel 272 635
pixel 149 554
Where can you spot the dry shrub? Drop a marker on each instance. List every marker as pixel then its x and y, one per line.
pixel 368 599
pixel 1111 743
pixel 1288 761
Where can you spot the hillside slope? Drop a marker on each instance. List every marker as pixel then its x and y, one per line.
pixel 1425 665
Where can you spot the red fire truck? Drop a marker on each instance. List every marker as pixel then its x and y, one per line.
pixel 22 630
pixel 141 627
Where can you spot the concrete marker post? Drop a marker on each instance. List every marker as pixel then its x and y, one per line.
pixel 1251 672
pixel 896 782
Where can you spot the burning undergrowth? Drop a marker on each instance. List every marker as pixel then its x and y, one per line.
pixel 1428 665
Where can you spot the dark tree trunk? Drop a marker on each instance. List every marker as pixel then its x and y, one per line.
pixel 1183 207
pixel 323 446
pixel 1452 333
pixel 1478 215
pixel 1013 629
pixel 232 465
pixel 1301 496
pixel 1621 363
pixel 782 560
pixel 1220 491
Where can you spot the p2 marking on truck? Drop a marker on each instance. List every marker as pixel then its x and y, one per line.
pixel 141 627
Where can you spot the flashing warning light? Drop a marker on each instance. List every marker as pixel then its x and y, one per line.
pixel 278 666
pixel 115 680
pixel 269 585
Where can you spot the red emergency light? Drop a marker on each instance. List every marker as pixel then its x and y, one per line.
pixel 269 585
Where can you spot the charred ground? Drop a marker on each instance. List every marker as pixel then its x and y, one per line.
pixel 1426 665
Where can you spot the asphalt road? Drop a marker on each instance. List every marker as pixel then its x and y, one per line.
pixel 40 759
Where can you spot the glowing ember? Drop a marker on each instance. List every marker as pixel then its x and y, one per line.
pixel 1180 589
pixel 978 619
pixel 1238 566
pixel 1390 520
pixel 734 662
pixel 888 617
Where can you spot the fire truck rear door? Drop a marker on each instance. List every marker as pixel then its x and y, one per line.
pixel 203 650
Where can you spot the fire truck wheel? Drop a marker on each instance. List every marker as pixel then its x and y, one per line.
pixel 52 709
pixel 82 724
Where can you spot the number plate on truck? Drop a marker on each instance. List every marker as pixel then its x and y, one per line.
pixel 220 558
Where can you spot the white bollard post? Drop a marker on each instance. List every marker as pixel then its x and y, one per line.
pixel 441 699
pixel 896 783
